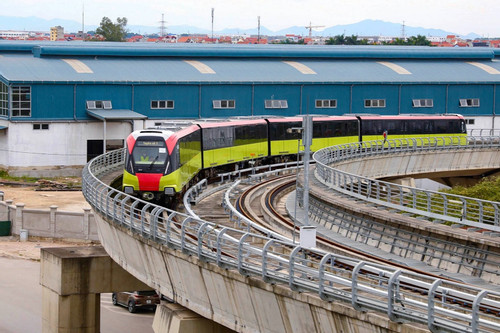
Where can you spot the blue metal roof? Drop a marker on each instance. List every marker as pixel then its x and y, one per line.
pixel 243 64
pixel 260 51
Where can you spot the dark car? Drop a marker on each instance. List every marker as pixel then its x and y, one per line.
pixel 133 300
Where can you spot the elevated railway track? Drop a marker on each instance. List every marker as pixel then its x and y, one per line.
pixel 403 295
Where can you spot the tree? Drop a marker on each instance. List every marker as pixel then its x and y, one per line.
pixel 419 40
pixel 351 40
pixel 111 31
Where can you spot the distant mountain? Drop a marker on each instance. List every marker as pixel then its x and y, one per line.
pixel 180 29
pixel 363 28
pixel 372 28
pixel 33 23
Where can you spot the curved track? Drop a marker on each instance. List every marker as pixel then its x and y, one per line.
pixel 273 198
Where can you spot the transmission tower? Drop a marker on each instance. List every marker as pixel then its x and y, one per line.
pixel 162 26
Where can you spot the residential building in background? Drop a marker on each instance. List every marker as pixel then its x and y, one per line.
pixel 57 33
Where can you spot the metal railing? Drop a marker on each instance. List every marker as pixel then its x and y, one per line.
pixel 403 296
pixel 483 132
pixel 435 206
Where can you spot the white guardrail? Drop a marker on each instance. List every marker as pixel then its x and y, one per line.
pixel 404 296
pixel 433 205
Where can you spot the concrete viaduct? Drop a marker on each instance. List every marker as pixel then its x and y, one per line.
pixel 223 283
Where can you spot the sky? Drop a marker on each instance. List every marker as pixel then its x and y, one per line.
pixel 458 16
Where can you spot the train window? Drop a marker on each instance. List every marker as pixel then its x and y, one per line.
pixel 278 131
pixel 218 137
pixel 223 104
pixel 276 104
pixel 326 103
pixel 162 104
pixel 248 134
pixel 469 102
pixel 423 103
pixel 374 103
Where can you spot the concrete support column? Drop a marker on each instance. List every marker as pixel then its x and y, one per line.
pixel 52 219
pixel 70 313
pixel 174 318
pixel 72 280
pixel 86 222
pixel 19 217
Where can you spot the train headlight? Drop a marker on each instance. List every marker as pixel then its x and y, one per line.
pixel 169 191
pixel 128 189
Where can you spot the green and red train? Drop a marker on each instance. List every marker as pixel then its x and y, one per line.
pixel 160 164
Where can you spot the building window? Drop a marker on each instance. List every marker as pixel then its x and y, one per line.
pixel 162 104
pixel 223 103
pixel 470 121
pixel 374 103
pixel 469 102
pixel 40 126
pixel 423 103
pixel 4 100
pixel 21 101
pixel 326 103
pixel 276 104
pixel 94 105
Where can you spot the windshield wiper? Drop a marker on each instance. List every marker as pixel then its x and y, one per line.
pixel 156 159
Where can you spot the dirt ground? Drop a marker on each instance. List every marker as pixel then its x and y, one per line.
pixel 12 247
pixel 72 201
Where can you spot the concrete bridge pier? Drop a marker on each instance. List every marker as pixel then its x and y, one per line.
pixel 174 318
pixel 72 280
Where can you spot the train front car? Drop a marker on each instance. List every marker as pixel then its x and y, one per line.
pixel 158 163
pixel 449 126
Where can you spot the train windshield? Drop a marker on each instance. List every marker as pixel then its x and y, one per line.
pixel 150 155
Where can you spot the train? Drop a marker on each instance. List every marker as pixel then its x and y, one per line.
pixel 160 164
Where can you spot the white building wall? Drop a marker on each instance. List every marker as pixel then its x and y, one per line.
pixel 59 151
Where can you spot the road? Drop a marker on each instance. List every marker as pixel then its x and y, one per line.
pixel 21 303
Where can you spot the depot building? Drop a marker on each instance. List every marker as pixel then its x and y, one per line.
pixel 62 104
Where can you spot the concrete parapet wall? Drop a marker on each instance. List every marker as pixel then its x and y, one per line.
pixel 50 223
pixel 406 164
pixel 240 303
pixel 454 250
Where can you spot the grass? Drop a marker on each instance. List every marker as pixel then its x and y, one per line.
pixel 68 181
pixel 4 175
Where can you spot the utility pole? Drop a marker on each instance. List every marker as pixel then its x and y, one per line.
pixel 258 30
pixel 307 125
pixel 83 20
pixel 212 25
pixel 403 31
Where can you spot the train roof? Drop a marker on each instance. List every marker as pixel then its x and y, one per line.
pixel 410 117
pixel 315 118
pixel 233 123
